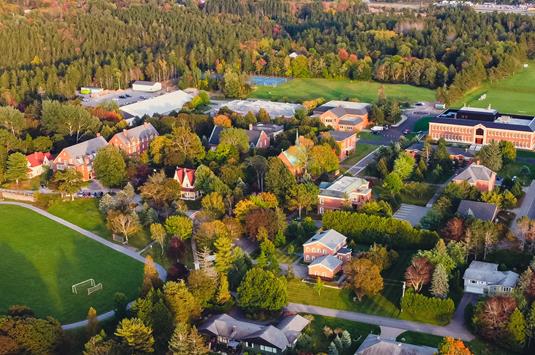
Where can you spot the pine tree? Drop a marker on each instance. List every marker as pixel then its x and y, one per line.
pixel 17 167
pixel 332 349
pixel 92 322
pixel 439 283
pixel 338 343
pixel 135 335
pixel 151 278
pixel 346 339
pixel 224 254
pixel 223 293
pixel 530 323
pixel 205 262
pixel 517 328
pixel 187 341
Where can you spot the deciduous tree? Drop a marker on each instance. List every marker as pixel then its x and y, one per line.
pixel 125 224
pixel 158 234
pixel 68 181
pixel 261 290
pixel 110 167
pixel 179 226
pixel 452 346
pixel 363 277
pixel 303 196
pixel 419 273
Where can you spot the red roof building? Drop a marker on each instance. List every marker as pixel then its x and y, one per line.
pixel 36 163
pixel 186 179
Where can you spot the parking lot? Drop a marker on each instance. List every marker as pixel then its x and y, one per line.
pixel 121 97
pixel 411 213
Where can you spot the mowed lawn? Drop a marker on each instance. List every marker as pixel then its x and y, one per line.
pixel 41 259
pixel 298 90
pixel 514 94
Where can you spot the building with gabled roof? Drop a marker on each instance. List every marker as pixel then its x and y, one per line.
pixel 226 332
pixel 478 176
pixel 346 141
pixel 80 157
pixel 186 179
pixel 479 210
pixel 37 161
pixel 344 115
pixel 376 345
pixel 146 86
pixel 257 138
pixel 294 158
pixel 135 140
pixel 344 192
pixel 484 279
pixel 325 267
pixel 322 249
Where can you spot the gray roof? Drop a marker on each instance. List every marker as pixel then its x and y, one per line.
pixel 474 173
pixel 348 107
pixel 329 261
pixel 375 345
pixel 330 238
pixel 346 185
pixel 145 131
pixel 340 135
pixel 480 210
pixel 280 336
pixel 88 147
pixel 488 273
pixel 269 128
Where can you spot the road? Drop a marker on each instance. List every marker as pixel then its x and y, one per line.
pixel 454 329
pixel 119 248
pixel 363 163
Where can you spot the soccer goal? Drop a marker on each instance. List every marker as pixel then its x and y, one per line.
pixel 85 284
pixel 93 289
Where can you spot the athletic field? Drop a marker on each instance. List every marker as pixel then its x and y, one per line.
pixel 298 90
pixel 41 259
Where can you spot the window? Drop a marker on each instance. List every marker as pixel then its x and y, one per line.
pixel 480 131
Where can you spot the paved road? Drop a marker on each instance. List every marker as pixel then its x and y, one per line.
pixel 363 163
pixel 161 271
pixel 454 329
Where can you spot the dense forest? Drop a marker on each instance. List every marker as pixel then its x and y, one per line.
pixel 49 51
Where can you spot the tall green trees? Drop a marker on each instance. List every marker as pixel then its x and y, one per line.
pixel 110 167
pixel 262 291
pixel 17 167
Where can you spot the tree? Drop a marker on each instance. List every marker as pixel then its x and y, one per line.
pixel 234 84
pixel 17 167
pixel 74 121
pixel 439 256
pixel 454 229
pixel 213 203
pixel 187 341
pixel 491 156
pixel 492 317
pixel 260 167
pixel 380 256
pixel 183 146
pixel 99 345
pixel 68 181
pixel 179 226
pixel 404 165
pixel 42 144
pixel 92 322
pixel 235 137
pixel 125 224
pixel 322 159
pixel 452 346
pixel 262 290
pixel 135 335
pixel 517 328
pixel 363 277
pixel 151 277
pixel 12 119
pixel 184 306
pixel 302 196
pixel 110 167
pixel 530 323
pixel 161 192
pixel 206 181
pixel 203 287
pixel 439 282
pixel 158 234
pixel 393 182
pixel 223 292
pixel 279 180
pixel 508 151
pixel 223 121
pixel 418 273
pixel 318 287
pixel 224 256
pixel 481 235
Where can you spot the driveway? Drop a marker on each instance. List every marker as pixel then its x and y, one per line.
pixel 527 208
pixel 455 329
pixel 411 213
pixel 363 163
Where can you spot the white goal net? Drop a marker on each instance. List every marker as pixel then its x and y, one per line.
pixel 93 289
pixel 84 284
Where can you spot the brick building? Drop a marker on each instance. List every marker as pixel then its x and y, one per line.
pixel 80 157
pixel 478 176
pixel 482 126
pixel 326 252
pixel 346 141
pixel 257 138
pixel 344 115
pixel 346 191
pixel 135 140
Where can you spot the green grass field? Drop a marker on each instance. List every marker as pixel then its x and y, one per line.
pixel 511 95
pixel 361 151
pixel 298 90
pixel 41 260
pixel 85 213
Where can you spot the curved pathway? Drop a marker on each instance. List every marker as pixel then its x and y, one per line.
pixel 455 329
pixel 119 248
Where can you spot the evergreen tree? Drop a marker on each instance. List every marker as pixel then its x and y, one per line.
pixel 223 292
pixel 439 282
pixel 136 335
pixel 92 322
pixel 187 341
pixel 224 256
pixel 517 328
pixel 17 167
pixel 346 339
pixel 491 156
pixel 332 349
pixel 110 167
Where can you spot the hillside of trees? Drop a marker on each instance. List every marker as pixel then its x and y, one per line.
pixel 50 51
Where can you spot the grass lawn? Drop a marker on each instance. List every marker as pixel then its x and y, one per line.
pixel 417 338
pixel 525 154
pixel 510 95
pixel 422 124
pixel 41 260
pixel 283 257
pixel 368 136
pixel 361 151
pixel 418 195
pixel 385 304
pixel 320 342
pixel 298 90
pixel 84 213
pixel 513 169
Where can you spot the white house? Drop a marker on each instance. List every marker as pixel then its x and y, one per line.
pixel 146 86
pixel 186 179
pixel 37 162
pixel 162 105
pixel 484 279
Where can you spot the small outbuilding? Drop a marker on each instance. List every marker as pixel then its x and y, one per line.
pixel 146 86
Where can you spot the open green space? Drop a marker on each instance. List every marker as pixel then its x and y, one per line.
pixel 299 90
pixel 84 213
pixel 418 338
pixel 515 169
pixel 320 342
pixel 513 94
pixel 413 193
pixel 361 151
pixel 42 259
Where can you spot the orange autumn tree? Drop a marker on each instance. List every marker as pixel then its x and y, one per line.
pixel 452 346
pixel 223 121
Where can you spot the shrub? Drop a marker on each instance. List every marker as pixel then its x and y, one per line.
pixel 427 309
pixel 44 201
pixel 362 228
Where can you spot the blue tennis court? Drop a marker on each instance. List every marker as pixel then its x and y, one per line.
pixel 259 80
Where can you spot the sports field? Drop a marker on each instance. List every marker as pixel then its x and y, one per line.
pixel 515 94
pixel 298 90
pixel 41 259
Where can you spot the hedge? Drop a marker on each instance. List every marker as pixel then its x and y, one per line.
pixel 427 309
pixel 368 229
